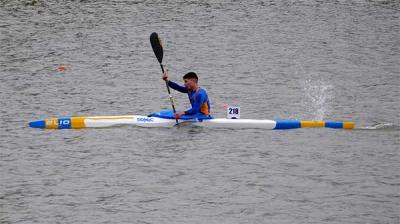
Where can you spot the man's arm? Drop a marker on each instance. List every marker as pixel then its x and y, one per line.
pixel 177 87
pixel 198 102
pixel 174 85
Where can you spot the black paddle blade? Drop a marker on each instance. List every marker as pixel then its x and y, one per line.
pixel 157 46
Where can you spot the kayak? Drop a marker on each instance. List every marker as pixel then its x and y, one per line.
pixel 152 121
pixel 166 118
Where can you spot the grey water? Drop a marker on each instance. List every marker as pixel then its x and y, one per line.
pixel 310 60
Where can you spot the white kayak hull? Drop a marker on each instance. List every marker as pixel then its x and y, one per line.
pixel 237 123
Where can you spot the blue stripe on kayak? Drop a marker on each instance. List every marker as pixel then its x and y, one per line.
pixel 287 124
pixel 333 124
pixel 37 124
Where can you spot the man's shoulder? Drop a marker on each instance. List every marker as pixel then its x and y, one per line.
pixel 202 91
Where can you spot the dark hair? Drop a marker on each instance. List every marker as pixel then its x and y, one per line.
pixel 191 75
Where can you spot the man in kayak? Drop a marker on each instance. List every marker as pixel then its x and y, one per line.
pixel 198 96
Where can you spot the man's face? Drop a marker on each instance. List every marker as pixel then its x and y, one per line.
pixel 190 83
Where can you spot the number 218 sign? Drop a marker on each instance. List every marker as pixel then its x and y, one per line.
pixel 233 112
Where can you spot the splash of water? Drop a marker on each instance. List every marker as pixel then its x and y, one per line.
pixel 317 92
pixel 317 95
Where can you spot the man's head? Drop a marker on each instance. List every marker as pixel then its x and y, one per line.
pixel 190 80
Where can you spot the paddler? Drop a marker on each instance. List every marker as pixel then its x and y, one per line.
pixel 197 96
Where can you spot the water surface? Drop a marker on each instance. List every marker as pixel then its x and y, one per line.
pixel 274 59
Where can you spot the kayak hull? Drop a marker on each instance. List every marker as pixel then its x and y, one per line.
pixel 237 123
pixel 145 121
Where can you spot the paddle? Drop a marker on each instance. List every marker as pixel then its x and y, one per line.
pixel 159 52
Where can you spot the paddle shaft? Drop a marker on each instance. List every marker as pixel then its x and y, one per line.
pixel 171 99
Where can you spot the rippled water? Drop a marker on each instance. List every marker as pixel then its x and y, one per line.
pixel 337 60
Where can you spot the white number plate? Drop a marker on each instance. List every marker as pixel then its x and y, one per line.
pixel 232 112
